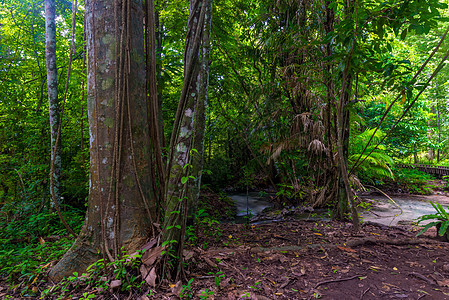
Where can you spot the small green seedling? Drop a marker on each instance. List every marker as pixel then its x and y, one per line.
pixel 441 222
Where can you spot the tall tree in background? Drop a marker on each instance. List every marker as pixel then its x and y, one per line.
pixel 53 103
pixel 120 209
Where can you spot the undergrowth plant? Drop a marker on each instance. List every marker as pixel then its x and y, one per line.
pixel 203 223
pixel 30 240
pixel 440 221
pixel 412 180
pixel 98 278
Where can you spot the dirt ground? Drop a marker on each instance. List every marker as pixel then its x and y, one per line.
pixel 327 260
pixel 301 259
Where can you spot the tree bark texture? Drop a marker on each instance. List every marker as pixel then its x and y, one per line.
pixel 53 103
pixel 119 208
pixel 200 113
pixel 181 140
pixel 153 104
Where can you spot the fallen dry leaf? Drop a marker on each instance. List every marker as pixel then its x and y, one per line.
pixel 115 283
pixel 177 288
pixel 346 249
pixel 46 265
pixel 188 254
pixel 444 282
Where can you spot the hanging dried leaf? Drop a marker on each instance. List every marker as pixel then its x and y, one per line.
pixel 317 147
pixel 150 256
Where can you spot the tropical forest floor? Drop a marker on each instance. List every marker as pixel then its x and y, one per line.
pixel 328 260
pixel 299 259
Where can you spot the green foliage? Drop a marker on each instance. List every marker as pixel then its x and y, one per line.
pixel 375 166
pixel 99 276
pixel 220 173
pixel 30 240
pixel 205 224
pixel 411 180
pixel 218 277
pixel 442 220
pixel 186 291
pixel 206 294
pixel 28 261
pixel 290 193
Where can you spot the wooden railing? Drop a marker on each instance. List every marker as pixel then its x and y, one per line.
pixel 437 170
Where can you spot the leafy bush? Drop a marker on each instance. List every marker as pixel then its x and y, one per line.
pixel 30 239
pixel 122 274
pixel 412 180
pixel 26 260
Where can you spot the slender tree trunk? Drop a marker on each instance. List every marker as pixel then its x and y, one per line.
pixel 119 209
pixel 345 195
pixel 342 151
pixel 181 140
pixel 439 132
pixel 200 113
pixel 53 103
pixel 430 123
pixel 415 154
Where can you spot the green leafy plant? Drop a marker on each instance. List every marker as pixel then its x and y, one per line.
pixel 206 293
pixel 186 292
pixel 441 222
pixel 256 286
pixel 218 277
pixel 99 275
pixel 205 223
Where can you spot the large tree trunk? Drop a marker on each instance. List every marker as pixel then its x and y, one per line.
pixel 119 209
pixel 53 103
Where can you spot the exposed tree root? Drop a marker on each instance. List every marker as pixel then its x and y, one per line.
pixel 422 277
pixel 382 226
pixel 401 242
pixel 337 280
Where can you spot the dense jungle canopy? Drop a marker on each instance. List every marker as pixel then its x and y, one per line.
pixel 127 109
